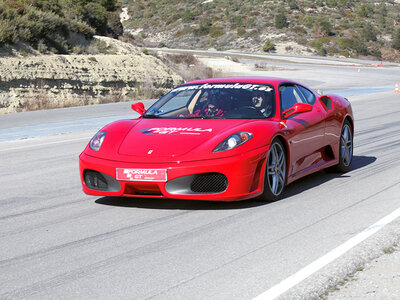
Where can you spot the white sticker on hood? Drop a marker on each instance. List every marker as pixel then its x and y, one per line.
pixel 175 130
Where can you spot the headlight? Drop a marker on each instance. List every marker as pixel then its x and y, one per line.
pixel 97 140
pixel 233 141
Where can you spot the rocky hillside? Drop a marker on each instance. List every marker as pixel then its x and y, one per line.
pixel 46 81
pixel 57 26
pixel 355 28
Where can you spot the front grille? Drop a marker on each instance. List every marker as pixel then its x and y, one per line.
pixel 209 183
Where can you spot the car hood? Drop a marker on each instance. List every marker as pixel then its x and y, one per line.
pixel 172 137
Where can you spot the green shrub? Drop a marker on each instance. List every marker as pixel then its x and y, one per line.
pixel 114 25
pixel 396 40
pixel 42 47
pixel 188 16
pixel 216 31
pixel 46 24
pixel 302 41
pixel 241 31
pixel 268 45
pixel 8 32
pixel 48 5
pixel 82 28
pixel 344 43
pixel 204 29
pixel 309 21
pixel 98 46
pixel 185 31
pixel 281 21
pixel 318 45
pixel 360 47
pixel 325 25
pixel 236 21
pixel 368 33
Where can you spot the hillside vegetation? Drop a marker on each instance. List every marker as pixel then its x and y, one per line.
pixel 333 27
pixel 57 26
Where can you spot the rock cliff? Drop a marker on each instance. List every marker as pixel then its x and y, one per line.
pixel 47 81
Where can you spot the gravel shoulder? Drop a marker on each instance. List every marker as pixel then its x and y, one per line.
pixel 378 279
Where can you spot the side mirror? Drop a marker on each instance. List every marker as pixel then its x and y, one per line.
pixel 296 109
pixel 139 108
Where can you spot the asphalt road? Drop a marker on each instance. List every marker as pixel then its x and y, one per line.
pixel 57 243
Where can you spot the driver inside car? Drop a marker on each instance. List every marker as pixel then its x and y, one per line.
pixel 212 109
pixel 261 103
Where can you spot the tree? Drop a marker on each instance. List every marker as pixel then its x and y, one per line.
pixel 109 5
pixel 96 16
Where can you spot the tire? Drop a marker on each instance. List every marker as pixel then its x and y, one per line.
pixel 275 173
pixel 345 148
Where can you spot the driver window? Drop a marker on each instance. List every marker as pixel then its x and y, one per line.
pixel 290 95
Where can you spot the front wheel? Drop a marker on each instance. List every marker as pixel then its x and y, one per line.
pixel 345 149
pixel 275 173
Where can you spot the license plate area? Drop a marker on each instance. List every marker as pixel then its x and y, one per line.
pixel 151 175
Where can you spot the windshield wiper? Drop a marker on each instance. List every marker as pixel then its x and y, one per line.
pixel 152 117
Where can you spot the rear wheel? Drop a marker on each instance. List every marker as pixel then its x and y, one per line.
pixel 275 173
pixel 345 148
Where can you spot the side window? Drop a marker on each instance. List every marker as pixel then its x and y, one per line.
pixel 307 94
pixel 290 95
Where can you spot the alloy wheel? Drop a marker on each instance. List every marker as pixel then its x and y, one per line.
pixel 346 145
pixel 276 169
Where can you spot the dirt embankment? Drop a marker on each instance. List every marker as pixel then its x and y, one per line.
pixel 47 81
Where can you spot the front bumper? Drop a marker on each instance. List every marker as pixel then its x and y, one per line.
pixel 244 174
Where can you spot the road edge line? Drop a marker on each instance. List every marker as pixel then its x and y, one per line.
pixel 318 264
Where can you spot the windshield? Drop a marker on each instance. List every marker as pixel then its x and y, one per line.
pixel 216 101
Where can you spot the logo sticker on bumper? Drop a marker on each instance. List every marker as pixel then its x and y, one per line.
pixel 158 175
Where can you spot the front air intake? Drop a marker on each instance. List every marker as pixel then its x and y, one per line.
pixel 99 181
pixel 209 183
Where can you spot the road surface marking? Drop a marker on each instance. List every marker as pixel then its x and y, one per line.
pixel 318 264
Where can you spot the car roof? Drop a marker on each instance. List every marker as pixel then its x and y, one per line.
pixel 268 80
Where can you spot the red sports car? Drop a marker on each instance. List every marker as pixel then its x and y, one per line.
pixel 221 139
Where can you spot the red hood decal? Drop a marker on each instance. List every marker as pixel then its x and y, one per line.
pixel 172 137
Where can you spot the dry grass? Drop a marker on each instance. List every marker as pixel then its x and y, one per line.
pixel 188 66
pixel 44 99
pixel 185 58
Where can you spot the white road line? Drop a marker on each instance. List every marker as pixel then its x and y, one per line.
pixel 44 144
pixel 315 266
